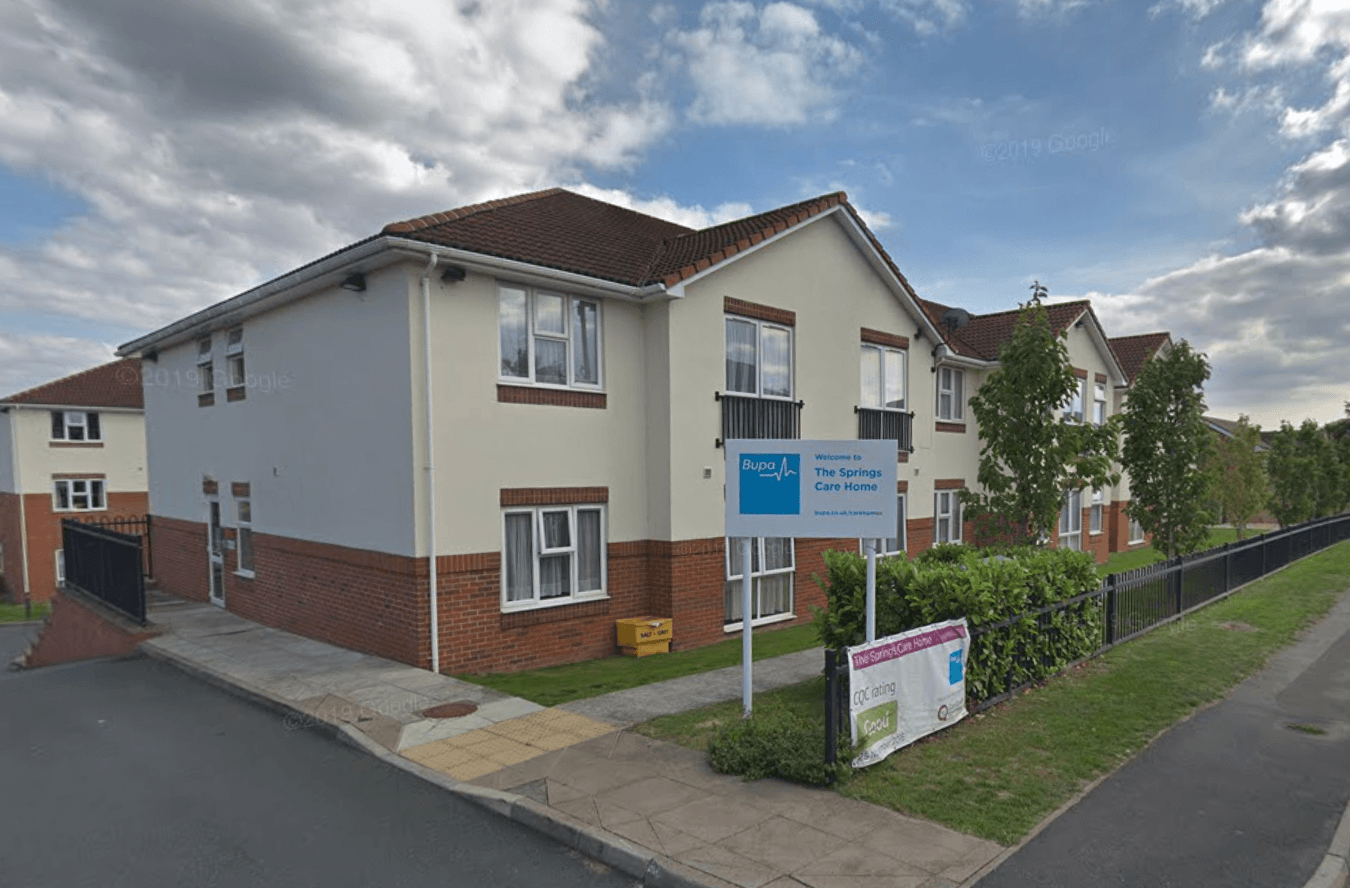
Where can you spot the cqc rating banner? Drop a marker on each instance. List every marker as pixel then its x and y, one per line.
pixel 905 687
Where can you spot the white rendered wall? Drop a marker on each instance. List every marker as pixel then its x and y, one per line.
pixel 7 479
pixel 121 459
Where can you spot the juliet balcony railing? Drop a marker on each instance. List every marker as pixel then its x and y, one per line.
pixel 745 416
pixel 886 425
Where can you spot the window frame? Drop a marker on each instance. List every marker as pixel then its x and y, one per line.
pixel 243 527
pixel 1099 403
pixel 760 327
pixel 1136 527
pixel 69 486
pixel 951 516
pixel 573 551
pixel 60 558
pixel 756 576
pixel 89 424
pixel 1095 512
pixel 902 522
pixel 954 386
pixel 1072 510
pixel 882 353
pixel 1079 398
pixel 234 357
pixel 567 337
pixel 206 365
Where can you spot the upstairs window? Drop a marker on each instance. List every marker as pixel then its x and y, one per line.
pixel 1099 404
pixel 206 371
pixel 1073 408
pixel 759 358
pixel 951 400
pixel 76 425
pixel 548 339
pixel 234 358
pixel 883 378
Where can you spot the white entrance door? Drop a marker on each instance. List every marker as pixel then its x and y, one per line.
pixel 215 546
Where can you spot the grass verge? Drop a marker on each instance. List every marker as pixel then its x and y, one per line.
pixel 14 613
pixel 1143 556
pixel 577 681
pixel 998 774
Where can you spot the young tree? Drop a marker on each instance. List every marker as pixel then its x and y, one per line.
pixel 1237 476
pixel 1166 443
pixel 1292 476
pixel 1031 454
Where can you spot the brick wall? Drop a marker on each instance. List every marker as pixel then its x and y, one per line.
pixel 77 630
pixel 44 534
pixel 11 540
pixel 180 557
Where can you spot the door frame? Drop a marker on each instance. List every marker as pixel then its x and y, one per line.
pixel 215 552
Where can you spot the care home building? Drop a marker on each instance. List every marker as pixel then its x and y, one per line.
pixel 532 394
pixel 72 448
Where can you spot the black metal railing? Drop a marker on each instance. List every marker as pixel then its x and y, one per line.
pixel 105 564
pixel 745 416
pixel 131 525
pixel 886 425
pixel 1126 605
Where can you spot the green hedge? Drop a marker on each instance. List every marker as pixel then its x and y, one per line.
pixel 986 586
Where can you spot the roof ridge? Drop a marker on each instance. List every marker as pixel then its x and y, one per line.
pixel 1140 335
pixel 14 398
pixel 420 222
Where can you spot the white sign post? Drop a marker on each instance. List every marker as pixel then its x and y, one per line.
pixel 795 488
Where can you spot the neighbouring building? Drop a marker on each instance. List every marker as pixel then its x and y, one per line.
pixel 72 448
pixel 532 393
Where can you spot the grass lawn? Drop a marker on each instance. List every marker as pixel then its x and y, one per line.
pixel 1142 556
pixel 998 774
pixel 14 613
pixel 577 681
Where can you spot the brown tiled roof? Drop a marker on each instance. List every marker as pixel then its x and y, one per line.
pixel 117 384
pixel 1133 351
pixel 986 333
pixel 559 229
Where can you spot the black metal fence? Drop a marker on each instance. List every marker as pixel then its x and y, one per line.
pixel 894 425
pixel 131 525
pixel 106 564
pixel 745 416
pixel 1126 606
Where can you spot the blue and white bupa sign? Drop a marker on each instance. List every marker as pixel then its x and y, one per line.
pixel 793 488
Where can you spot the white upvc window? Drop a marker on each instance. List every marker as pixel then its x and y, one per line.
pixel 947 516
pixel 1095 516
pixel 76 425
pixel 1073 408
pixel 883 378
pixel 206 368
pixel 892 545
pixel 548 339
pixel 772 567
pixel 60 567
pixel 552 555
pixel 1136 532
pixel 951 399
pixel 1071 521
pixel 1099 404
pixel 79 495
pixel 759 358
pixel 235 376
pixel 243 520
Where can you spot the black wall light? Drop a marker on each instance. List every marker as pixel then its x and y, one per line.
pixel 356 282
pixel 453 274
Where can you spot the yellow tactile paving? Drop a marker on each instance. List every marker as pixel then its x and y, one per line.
pixel 475 753
pixel 471 770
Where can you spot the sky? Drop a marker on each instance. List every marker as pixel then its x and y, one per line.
pixel 1185 164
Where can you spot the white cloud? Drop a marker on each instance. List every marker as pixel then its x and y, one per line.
pixel 771 65
pixel 667 208
pixel 26 361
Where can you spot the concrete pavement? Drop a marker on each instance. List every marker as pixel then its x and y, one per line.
pixel 653 810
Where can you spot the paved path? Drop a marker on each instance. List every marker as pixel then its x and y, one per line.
pixel 131 774
pixel 641 804
pixel 1231 797
pixel 14 640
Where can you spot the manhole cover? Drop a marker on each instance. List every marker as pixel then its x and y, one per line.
pixel 451 710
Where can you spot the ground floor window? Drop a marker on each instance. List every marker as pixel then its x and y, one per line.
pixel 772 565
pixel 1071 521
pixel 60 567
pixel 1136 531
pixel 1095 519
pixel 79 495
pixel 898 543
pixel 552 555
pixel 947 516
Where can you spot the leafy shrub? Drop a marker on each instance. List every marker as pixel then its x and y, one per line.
pixel 987 587
pixel 775 743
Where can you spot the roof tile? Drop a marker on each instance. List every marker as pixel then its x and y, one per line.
pixel 1134 351
pixel 117 384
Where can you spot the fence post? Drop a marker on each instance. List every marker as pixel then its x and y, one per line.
pixel 831 708
pixel 1110 609
pixel 1227 569
pixel 149 550
pixel 1175 577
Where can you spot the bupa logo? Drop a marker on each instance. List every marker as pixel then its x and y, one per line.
pixel 771 484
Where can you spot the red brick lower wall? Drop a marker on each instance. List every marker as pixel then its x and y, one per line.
pixel 180 557
pixel 76 630
pixel 11 542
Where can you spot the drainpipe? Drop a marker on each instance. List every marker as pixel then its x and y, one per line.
pixel 430 465
pixel 23 514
